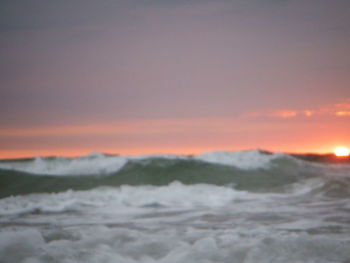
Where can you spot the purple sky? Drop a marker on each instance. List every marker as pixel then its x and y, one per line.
pixel 81 62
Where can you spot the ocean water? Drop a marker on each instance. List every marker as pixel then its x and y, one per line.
pixel 251 207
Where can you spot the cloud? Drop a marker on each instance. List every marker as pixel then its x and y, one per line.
pixel 342 113
pixel 308 113
pixel 336 110
pixel 284 114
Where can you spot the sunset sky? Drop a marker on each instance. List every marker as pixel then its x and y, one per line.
pixel 168 76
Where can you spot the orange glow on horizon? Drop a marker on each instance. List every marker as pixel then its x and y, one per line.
pixel 342 152
pixel 18 154
pixel 29 153
pixel 288 131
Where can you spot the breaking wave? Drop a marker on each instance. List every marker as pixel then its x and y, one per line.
pixel 249 170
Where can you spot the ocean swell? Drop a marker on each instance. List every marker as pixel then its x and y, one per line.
pixel 250 170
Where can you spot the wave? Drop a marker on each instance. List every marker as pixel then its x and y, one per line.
pixel 92 164
pixel 103 164
pixel 255 171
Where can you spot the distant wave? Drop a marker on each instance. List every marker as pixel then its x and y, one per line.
pixel 102 164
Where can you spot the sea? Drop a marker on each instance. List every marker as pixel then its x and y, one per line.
pixel 246 206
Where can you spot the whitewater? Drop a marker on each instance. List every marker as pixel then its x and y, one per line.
pixel 245 207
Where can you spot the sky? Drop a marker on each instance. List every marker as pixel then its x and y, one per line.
pixel 173 76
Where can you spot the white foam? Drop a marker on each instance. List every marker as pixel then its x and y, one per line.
pixel 20 246
pixel 94 164
pixel 173 195
pixel 253 159
pixel 102 244
pixel 173 224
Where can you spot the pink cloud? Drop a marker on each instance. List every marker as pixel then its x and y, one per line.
pixel 339 110
pixel 342 113
pixel 284 114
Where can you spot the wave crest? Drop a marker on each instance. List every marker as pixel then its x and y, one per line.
pixel 101 164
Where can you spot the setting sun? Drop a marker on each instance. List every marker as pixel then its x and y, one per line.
pixel 342 152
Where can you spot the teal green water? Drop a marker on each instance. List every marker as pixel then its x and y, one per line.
pixel 162 171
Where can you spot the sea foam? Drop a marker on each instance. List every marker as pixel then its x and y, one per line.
pixel 93 164
pixel 253 159
pixel 172 195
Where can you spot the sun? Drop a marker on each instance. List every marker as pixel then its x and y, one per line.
pixel 341 152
